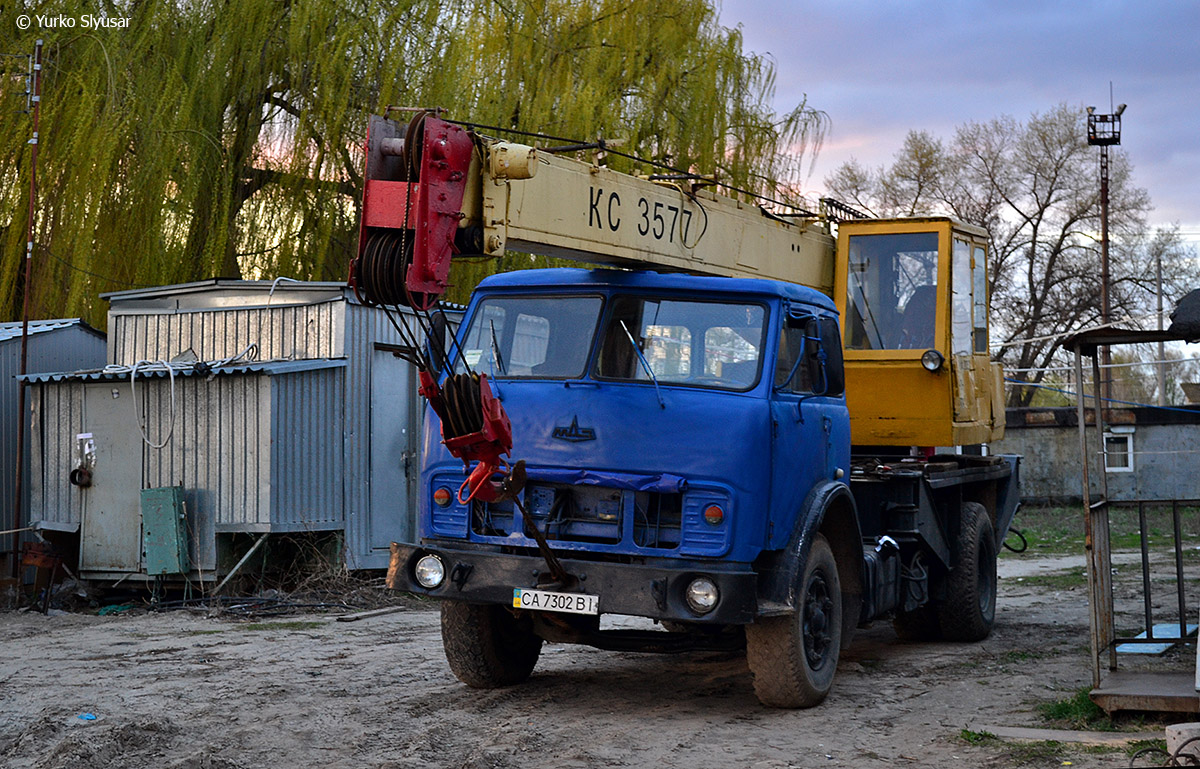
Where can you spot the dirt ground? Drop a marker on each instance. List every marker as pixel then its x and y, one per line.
pixel 184 690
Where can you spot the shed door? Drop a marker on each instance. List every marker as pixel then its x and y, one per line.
pixel 394 441
pixel 112 519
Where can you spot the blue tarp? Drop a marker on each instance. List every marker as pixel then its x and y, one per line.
pixel 663 483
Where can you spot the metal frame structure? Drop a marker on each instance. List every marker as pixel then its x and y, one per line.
pixel 1115 689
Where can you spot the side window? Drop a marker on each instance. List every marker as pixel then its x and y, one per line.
pixel 979 274
pixel 791 346
pixel 831 345
pixel 817 344
pixel 961 308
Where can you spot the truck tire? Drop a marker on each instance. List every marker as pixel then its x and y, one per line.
pixel 487 647
pixel 969 610
pixel 794 657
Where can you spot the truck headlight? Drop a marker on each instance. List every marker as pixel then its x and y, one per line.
pixel 702 595
pixel 430 571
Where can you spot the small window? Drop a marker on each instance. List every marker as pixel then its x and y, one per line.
pixel 979 277
pixel 1118 452
pixel 961 309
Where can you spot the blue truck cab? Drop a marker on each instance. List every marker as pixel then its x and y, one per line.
pixel 687 452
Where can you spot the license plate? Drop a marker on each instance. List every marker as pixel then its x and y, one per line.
pixel 544 600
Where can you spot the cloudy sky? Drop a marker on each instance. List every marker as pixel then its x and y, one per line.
pixel 880 68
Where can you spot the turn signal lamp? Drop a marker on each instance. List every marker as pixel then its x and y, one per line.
pixel 714 514
pixel 442 497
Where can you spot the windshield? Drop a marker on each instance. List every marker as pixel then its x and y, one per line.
pixel 711 344
pixel 532 337
pixel 892 287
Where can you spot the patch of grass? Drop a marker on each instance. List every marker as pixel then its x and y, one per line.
pixel 978 738
pixel 1077 712
pixel 1056 580
pixel 291 625
pixel 1060 529
pixel 206 632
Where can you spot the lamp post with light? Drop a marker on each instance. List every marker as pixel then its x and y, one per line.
pixel 1104 131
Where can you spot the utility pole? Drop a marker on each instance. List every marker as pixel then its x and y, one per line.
pixel 1104 131
pixel 34 104
pixel 1162 353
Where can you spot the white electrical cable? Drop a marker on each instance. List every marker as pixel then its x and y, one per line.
pixel 133 394
pixel 275 285
pixel 248 354
pixel 244 354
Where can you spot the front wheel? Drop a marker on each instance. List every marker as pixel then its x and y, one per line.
pixel 487 646
pixel 969 610
pixel 794 657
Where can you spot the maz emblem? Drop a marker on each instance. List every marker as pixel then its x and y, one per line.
pixel 574 433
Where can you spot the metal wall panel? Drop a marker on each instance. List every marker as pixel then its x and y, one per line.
pixel 282 332
pixel 52 346
pixel 56 417
pixel 219 451
pixel 365 326
pixel 307 475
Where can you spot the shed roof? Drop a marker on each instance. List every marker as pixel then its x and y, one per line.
pixel 13 330
pixel 121 373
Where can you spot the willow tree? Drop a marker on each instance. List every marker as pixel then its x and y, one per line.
pixel 224 138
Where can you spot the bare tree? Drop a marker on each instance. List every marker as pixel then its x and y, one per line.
pixel 1034 186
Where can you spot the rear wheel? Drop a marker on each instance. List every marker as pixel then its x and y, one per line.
pixel 794 657
pixel 969 610
pixel 487 646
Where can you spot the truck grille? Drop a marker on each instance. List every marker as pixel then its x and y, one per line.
pixel 589 514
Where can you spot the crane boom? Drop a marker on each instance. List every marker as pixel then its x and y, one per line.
pixel 577 210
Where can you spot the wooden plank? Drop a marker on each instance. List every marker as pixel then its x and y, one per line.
pixel 1167 692
pixel 1028 734
pixel 372 613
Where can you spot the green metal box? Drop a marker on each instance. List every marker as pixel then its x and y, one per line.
pixel 164 531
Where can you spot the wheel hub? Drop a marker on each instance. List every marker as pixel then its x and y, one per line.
pixel 818 605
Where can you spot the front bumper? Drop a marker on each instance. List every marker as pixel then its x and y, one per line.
pixel 639 590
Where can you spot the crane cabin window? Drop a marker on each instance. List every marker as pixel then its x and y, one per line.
pixel 892 291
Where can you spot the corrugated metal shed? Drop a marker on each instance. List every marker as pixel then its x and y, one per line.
pixel 322 435
pixel 66 343
pixel 256 448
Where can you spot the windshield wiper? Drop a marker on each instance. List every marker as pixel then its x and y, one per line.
pixel 496 359
pixel 645 365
